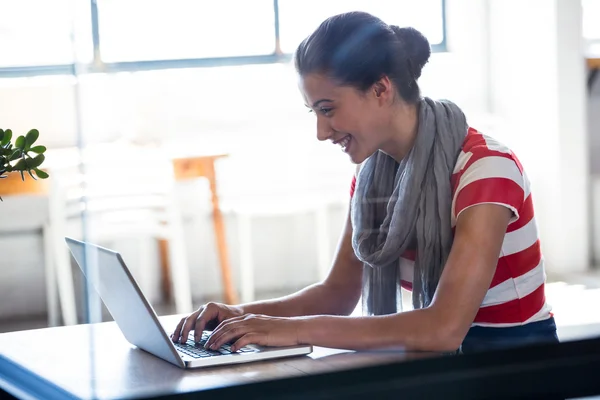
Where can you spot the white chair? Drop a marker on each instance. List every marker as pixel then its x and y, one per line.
pixel 15 218
pixel 245 211
pixel 252 188
pixel 121 191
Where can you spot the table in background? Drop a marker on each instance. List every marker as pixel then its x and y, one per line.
pixel 194 167
pixel 184 167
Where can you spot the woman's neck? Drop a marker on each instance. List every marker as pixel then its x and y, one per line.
pixel 403 131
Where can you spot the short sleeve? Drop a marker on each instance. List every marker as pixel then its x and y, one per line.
pixel 490 179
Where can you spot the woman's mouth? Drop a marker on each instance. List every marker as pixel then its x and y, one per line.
pixel 345 143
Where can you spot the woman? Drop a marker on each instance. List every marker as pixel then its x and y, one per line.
pixel 437 208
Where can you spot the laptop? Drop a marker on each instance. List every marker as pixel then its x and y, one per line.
pixel 139 323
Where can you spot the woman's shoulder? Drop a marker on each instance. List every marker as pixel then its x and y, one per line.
pixel 477 141
pixel 478 146
pixel 487 171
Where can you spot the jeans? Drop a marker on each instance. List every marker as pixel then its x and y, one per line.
pixel 484 338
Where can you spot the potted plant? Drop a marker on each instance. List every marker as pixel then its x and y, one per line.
pixel 16 157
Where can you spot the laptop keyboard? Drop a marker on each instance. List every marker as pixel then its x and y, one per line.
pixel 197 350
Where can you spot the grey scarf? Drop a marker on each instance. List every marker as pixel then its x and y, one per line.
pixel 399 206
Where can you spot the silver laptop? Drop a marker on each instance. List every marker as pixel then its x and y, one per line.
pixel 123 298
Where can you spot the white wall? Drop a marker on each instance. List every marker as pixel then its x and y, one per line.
pixel 537 84
pixel 594 152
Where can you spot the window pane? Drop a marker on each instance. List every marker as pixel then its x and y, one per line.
pixel 38 32
pixel 591 19
pixel 299 18
pixel 136 30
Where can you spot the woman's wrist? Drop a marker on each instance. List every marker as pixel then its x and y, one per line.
pixel 305 328
pixel 250 308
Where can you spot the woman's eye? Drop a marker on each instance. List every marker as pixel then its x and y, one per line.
pixel 323 111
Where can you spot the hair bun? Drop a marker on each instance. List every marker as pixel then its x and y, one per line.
pixel 416 46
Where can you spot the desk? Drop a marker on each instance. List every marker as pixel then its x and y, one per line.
pixel 115 369
pixel 57 363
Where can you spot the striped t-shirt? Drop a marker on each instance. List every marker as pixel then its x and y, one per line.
pixel 488 172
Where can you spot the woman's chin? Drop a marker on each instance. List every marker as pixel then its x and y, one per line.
pixel 359 157
pixel 355 158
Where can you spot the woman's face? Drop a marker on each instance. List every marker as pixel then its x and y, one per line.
pixel 356 121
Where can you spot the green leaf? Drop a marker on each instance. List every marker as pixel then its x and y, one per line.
pixel 31 137
pixel 30 174
pixel 20 142
pixel 16 154
pixel 35 161
pixel 22 176
pixel 20 165
pixel 6 138
pixel 1 134
pixel 38 149
pixel 41 174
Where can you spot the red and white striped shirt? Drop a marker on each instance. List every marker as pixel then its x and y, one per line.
pixel 487 172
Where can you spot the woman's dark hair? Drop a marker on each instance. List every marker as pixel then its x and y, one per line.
pixel 357 49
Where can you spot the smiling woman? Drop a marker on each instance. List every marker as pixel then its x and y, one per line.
pixel 437 208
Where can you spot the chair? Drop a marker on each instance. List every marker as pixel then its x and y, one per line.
pixel 59 292
pixel 247 210
pixel 263 191
pixel 120 191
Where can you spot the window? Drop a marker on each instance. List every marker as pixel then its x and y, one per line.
pixel 591 18
pixel 140 30
pixel 297 19
pixel 43 32
pixel 40 37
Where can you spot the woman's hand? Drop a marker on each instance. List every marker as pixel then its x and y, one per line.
pixel 256 329
pixel 206 317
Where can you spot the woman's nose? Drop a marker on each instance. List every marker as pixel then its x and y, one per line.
pixel 324 131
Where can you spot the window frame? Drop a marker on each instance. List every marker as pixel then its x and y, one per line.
pixel 98 66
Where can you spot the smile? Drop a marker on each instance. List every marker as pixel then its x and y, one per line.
pixel 344 142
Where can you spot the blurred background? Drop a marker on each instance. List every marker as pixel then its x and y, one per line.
pixel 177 136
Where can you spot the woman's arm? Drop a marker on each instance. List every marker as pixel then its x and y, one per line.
pixel 338 294
pixel 440 327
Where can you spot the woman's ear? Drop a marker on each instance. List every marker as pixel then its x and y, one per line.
pixel 382 89
pixel 379 89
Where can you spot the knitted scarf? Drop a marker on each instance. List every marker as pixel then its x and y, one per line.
pixel 407 205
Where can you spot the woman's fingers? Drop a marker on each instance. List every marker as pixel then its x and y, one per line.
pixel 187 325
pixel 177 331
pixel 210 313
pixel 249 338
pixel 227 331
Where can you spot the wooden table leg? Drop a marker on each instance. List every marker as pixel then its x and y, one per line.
pixel 163 248
pixel 197 167
pixel 231 296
